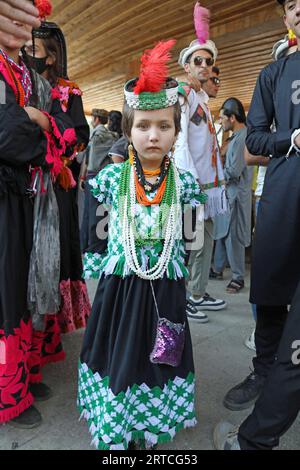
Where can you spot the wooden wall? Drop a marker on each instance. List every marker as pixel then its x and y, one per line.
pixel 106 37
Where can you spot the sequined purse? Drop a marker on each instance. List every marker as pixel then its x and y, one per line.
pixel 169 341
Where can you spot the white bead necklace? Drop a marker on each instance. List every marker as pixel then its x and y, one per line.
pixel 173 228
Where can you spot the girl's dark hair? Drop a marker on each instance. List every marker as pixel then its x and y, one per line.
pixel 128 118
pixel 52 49
pixel 115 122
pixel 233 106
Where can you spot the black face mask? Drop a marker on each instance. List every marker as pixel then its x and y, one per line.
pixel 38 64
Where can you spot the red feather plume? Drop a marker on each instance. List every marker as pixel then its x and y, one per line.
pixel 154 69
pixel 44 7
pixel 201 20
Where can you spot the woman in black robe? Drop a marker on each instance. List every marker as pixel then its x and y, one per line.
pixel 47 54
pixel 23 145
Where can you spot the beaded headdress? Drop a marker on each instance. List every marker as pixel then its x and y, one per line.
pixel 153 89
pixel 50 30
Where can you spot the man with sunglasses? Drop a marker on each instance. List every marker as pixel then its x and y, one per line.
pixel 197 151
pixel 212 86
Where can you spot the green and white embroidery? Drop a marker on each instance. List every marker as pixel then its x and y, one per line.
pixel 105 187
pixel 155 415
pixel 149 100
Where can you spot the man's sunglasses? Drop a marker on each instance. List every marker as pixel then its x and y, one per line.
pixel 215 80
pixel 198 61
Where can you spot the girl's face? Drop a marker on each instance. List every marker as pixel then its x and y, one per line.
pixel 12 43
pixel 41 60
pixel 153 134
pixel 40 51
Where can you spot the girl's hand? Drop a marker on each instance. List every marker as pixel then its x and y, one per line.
pixel 38 118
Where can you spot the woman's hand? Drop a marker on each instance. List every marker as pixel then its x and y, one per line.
pixel 22 11
pixel 38 118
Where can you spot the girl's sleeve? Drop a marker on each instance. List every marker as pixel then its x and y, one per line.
pixel 81 126
pixel 192 194
pixel 102 186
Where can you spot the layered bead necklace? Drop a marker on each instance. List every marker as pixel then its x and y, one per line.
pixel 21 86
pixel 170 217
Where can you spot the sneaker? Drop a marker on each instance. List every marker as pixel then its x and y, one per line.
pixel 40 391
pixel 245 394
pixel 215 275
pixel 29 419
pixel 208 303
pixel 250 341
pixel 226 436
pixel 194 314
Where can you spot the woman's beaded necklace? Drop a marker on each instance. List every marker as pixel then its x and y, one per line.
pixel 22 87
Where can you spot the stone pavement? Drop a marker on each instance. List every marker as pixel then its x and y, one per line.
pixel 221 361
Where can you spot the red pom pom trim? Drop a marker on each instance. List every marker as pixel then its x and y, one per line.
pixel 44 7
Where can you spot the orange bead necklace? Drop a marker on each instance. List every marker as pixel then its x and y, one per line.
pixel 15 82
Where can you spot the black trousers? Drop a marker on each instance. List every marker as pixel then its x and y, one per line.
pixel 269 327
pixel 279 404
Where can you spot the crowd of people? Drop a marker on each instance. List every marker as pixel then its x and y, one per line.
pixel 166 206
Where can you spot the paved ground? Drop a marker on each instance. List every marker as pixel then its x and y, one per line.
pixel 221 361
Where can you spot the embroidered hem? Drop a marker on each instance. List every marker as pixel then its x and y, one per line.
pixel 15 353
pixel 155 414
pixel 75 307
pixel 15 411
pixel 52 349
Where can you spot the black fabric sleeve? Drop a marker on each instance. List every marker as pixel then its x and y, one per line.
pixel 62 120
pixel 80 124
pixel 21 141
pixel 260 140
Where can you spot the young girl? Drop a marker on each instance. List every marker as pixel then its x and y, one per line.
pixel 136 372
pixel 48 56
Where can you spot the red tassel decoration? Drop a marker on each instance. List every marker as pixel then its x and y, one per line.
pixel 154 70
pixel 201 20
pixel 65 179
pixel 44 7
